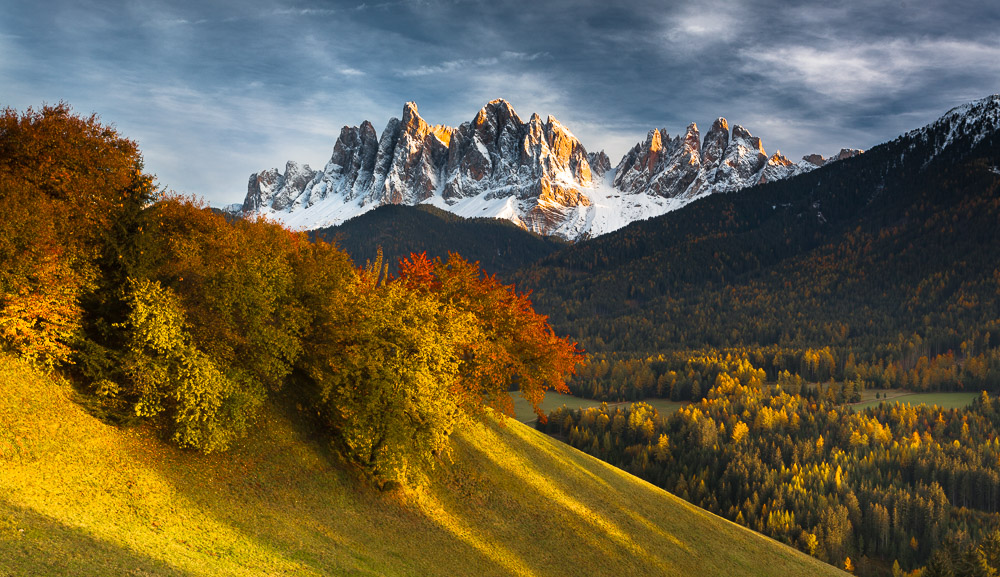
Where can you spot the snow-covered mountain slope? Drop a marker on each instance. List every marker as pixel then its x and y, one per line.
pixel 684 168
pixel 535 174
pixel 969 122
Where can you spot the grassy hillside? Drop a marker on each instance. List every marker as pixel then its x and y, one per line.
pixel 80 497
pixel 945 400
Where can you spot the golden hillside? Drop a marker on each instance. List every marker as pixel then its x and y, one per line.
pixel 81 497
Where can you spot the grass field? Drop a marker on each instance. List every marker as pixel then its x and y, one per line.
pixel 523 412
pixel 947 400
pixel 81 497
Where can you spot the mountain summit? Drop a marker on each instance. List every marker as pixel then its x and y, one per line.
pixel 535 173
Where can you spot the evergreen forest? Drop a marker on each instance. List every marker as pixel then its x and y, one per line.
pixel 773 310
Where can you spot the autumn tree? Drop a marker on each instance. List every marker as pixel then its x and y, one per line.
pixel 236 282
pixel 392 364
pixel 384 373
pixel 68 186
pixel 174 382
pixel 510 345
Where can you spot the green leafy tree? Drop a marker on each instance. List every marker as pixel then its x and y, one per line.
pixel 169 378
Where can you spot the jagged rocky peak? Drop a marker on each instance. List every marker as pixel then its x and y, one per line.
pixel 354 145
pixel 535 173
pixel 814 159
pixel 413 162
pixel 716 141
pixel 419 129
pixel 500 155
pixel 261 189
pixel 778 166
pixel 846 153
pixel 277 190
pixel 644 156
pixel 411 118
pixel 818 159
pixel 652 149
pixel 566 153
pixel 661 165
pixel 497 125
pixel 682 168
pixel 779 159
pixel 691 144
pixel 353 161
pixel 743 158
pixel 599 162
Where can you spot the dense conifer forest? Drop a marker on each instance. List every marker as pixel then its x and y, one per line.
pixel 891 484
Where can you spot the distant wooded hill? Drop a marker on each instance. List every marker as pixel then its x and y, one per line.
pixel 500 246
pixel 889 255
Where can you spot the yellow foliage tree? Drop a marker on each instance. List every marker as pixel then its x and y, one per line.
pixel 170 377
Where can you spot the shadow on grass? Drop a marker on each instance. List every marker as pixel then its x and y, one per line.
pixel 284 498
pixel 33 544
pixel 513 503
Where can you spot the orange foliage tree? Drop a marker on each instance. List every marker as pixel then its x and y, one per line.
pixel 392 364
pixel 511 345
pixel 67 186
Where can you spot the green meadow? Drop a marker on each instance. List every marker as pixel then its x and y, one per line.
pixel 945 400
pixel 553 401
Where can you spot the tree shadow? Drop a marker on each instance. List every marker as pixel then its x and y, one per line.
pixel 283 496
pixel 34 544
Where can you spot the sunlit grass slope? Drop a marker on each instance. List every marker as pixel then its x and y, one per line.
pixel 80 497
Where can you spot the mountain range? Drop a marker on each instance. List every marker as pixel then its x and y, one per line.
pixel 536 174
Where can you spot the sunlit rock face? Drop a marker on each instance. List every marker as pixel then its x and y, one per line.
pixel 535 173
pixel 531 172
pixel 681 168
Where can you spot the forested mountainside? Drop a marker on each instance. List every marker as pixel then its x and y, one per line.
pixel 880 260
pixel 499 246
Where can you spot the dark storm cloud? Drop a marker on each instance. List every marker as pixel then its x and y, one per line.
pixel 214 91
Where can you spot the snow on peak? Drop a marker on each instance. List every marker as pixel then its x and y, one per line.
pixel 537 175
pixel 974 120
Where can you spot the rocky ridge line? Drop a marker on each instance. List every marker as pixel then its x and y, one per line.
pixel 534 173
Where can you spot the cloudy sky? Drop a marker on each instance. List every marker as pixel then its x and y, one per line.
pixel 215 90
